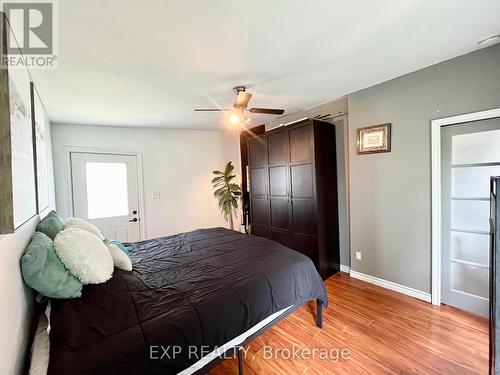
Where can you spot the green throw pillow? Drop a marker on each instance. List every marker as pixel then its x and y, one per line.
pixel 43 271
pixel 51 225
pixel 119 245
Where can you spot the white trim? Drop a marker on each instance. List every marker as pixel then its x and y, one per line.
pixel 140 180
pixel 391 286
pixel 345 268
pixel 288 123
pixel 436 190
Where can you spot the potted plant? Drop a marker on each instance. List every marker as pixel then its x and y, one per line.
pixel 227 192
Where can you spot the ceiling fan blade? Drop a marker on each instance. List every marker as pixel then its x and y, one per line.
pixel 212 109
pixel 268 111
pixel 243 98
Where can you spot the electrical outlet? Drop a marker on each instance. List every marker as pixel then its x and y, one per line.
pixel 358 255
pixel 156 195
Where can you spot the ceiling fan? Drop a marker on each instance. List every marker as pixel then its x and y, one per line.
pixel 240 106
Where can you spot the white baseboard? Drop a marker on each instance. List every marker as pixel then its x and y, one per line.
pixel 345 268
pixel 392 286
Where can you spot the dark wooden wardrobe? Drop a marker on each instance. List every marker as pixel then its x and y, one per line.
pixel 293 190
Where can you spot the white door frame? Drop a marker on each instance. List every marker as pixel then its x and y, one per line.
pixel 140 181
pixel 436 190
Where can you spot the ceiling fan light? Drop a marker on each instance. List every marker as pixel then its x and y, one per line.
pixel 234 118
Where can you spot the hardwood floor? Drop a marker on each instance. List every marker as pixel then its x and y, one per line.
pixel 385 333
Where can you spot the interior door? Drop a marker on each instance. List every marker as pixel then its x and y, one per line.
pixel 470 155
pixel 258 188
pixel 105 193
pixel 279 187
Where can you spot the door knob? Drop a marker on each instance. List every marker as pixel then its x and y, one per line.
pixel 134 212
pixel 133 220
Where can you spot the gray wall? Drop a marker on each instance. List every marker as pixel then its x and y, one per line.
pixel 390 194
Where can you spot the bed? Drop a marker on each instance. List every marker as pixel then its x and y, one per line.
pixel 190 298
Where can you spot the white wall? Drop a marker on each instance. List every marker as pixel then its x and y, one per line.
pixel 177 163
pixel 16 299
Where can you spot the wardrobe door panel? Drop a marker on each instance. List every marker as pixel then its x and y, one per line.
pixel 282 237
pixel 301 144
pixel 277 144
pixel 258 187
pixel 304 217
pixel 258 181
pixel 279 213
pixel 260 211
pixel 260 230
pixel 302 181
pixel 257 152
pixel 279 186
pixel 278 181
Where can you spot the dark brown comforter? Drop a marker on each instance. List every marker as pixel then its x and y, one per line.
pixel 193 290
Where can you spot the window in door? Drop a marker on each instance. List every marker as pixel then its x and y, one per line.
pixel 105 189
pixel 107 192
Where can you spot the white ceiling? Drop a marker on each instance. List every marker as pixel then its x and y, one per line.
pixel 149 63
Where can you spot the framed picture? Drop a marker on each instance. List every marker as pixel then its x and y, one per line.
pixel 17 164
pixel 374 139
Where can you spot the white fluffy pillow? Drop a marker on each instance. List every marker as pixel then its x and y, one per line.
pixel 74 222
pixel 84 255
pixel 120 259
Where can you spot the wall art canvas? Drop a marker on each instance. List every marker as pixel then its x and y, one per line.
pixel 23 165
pixel 40 133
pixel 17 164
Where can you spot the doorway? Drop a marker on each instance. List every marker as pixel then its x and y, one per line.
pixel 105 191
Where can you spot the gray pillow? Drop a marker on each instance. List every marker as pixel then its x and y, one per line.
pixel 51 225
pixel 43 271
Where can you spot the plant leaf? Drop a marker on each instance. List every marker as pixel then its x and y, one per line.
pixel 229 168
pixel 216 179
pixel 219 191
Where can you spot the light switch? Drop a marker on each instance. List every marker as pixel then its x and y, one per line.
pixel 156 195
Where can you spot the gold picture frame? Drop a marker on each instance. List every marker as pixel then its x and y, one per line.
pixel 374 139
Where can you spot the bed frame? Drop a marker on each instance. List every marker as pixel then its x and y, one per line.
pixel 238 349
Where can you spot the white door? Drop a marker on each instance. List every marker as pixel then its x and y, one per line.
pixel 470 155
pixel 105 193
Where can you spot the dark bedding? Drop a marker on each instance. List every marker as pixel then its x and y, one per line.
pixel 195 290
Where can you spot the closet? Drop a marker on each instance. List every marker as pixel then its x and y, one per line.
pixel 293 190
